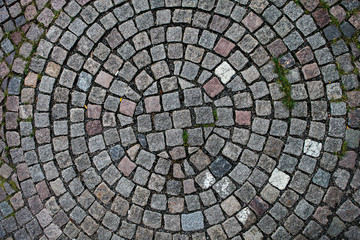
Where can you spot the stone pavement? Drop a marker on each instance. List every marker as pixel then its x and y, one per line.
pixel 165 119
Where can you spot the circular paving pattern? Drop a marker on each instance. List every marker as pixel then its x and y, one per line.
pixel 168 119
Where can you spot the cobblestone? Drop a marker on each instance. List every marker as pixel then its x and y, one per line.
pixel 165 119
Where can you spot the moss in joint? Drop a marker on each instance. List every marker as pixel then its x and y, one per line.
pixel 185 137
pixel 285 84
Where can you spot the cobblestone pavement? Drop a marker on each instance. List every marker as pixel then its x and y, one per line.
pixel 170 119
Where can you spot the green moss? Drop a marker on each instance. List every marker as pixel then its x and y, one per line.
pixel 185 137
pixel 33 133
pixel 215 115
pixel 352 12
pixel 335 21
pixel 324 5
pixel 297 2
pixel 29 119
pixel 340 69
pixel 11 182
pixel 13 185
pixel 343 150
pixel 285 84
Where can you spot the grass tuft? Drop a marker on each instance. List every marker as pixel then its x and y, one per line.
pixel 324 5
pixel 215 115
pixel 185 137
pixel 285 84
pixel 343 150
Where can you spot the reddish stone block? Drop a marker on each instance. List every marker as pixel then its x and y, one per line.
pixel 22 171
pixel 4 70
pixel 133 151
pixel 219 24
pixel 16 37
pixel 26 27
pixel 355 20
pixel 224 47
pixel 93 127
pixel 178 153
pixel 11 120
pixel 127 107
pixel 243 117
pixel 16 201
pixel 333 196
pixel 338 12
pixel 305 55
pixel 321 17
pixel 12 103
pixel 349 160
pixel 277 47
pixel 322 214
pixel 126 166
pixel 93 111
pixel 213 87
pixel 189 186
pixel 104 193
pixel 252 21
pixel 104 79
pixel 259 206
pixel 176 205
pixel 31 79
pixel 311 71
pixel 53 69
pixel 30 12
pixel 353 99
pixel 152 104
pixel 42 135
pixel 177 171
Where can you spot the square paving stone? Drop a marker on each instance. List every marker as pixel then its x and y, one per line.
pixel 321 178
pixel 204 115
pixel 283 26
pixel 156 141
pixel 171 101
pixel 224 117
pixel 192 221
pixel 224 187
pixel 193 97
pixel 214 144
pixel 214 215
pixel 220 167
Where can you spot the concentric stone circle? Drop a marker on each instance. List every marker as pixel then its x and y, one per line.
pixel 128 94
pixel 164 119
